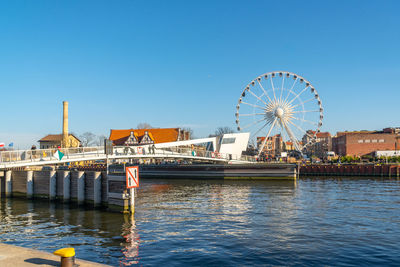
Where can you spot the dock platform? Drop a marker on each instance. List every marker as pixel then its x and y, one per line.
pixel 11 256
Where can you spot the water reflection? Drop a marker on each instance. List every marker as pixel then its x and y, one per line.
pixel 132 239
pixel 186 222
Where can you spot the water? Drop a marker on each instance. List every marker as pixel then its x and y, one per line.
pixel 334 222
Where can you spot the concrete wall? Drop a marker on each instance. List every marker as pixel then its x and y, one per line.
pixel 89 187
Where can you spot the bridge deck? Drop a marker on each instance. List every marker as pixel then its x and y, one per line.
pixel 40 157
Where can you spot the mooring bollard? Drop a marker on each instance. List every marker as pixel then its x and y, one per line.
pixel 67 256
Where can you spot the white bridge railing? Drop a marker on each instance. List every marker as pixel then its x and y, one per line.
pixel 46 156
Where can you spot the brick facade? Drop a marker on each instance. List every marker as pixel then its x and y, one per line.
pixel 363 143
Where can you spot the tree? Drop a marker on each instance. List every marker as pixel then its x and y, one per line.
pixel 222 131
pixel 144 125
pixel 190 130
pixel 100 139
pixel 88 139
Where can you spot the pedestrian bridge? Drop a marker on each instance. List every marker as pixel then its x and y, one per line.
pixel 40 157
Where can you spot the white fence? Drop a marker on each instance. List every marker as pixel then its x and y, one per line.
pixel 46 156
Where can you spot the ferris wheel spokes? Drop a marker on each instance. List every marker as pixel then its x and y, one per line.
pixel 253 124
pixel 255 134
pixel 252 114
pixel 256 106
pixel 306 111
pixel 298 95
pixel 292 137
pixel 266 137
pixel 282 112
pixel 265 92
pixel 273 88
pixel 290 90
pixel 257 97
pixel 303 102
pixel 303 120
pixel 283 83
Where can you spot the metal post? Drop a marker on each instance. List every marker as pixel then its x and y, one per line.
pixel 107 164
pixel 132 204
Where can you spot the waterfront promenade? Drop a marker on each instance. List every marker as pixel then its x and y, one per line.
pixel 11 256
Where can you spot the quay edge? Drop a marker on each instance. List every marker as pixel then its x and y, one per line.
pixel 11 256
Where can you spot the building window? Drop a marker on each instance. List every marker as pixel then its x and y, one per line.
pixel 374 141
pixel 361 141
pixel 229 140
pixel 381 140
pixel 367 141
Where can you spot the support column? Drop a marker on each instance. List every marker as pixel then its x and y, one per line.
pixel 29 184
pixel 8 184
pixel 77 186
pixel 63 185
pixel 53 185
pixel 93 188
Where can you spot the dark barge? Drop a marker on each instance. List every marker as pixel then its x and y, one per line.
pixel 219 171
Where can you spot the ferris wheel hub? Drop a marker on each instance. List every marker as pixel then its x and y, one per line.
pixel 279 112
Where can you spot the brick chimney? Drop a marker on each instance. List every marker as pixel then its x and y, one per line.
pixel 65 124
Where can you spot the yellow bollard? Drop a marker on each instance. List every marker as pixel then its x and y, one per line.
pixel 67 256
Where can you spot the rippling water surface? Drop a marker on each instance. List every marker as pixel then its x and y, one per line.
pixel 334 222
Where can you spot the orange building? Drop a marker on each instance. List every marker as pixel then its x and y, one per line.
pixel 131 137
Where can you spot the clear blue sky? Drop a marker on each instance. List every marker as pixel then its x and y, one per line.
pixel 185 63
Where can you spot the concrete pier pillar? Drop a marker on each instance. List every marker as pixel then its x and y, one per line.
pixel 53 185
pixel 18 179
pixel 93 188
pixel 8 184
pixel 77 186
pixel 29 184
pixel 63 185
pixel 44 184
pixel 104 188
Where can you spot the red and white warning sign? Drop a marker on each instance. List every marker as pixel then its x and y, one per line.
pixel 132 177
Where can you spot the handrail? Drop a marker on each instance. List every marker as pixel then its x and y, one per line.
pixel 39 155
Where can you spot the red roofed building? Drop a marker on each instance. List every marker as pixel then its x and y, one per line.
pixel 322 144
pixel 55 140
pixel 131 137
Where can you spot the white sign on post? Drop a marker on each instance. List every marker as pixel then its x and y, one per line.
pixel 132 181
pixel 132 177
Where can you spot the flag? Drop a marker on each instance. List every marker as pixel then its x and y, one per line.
pixel 58 155
pixel 2 144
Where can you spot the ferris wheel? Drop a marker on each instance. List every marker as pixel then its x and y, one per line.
pixel 280 103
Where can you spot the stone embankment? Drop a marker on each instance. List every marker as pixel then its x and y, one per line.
pixel 370 170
